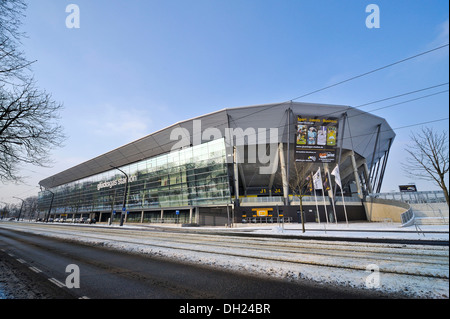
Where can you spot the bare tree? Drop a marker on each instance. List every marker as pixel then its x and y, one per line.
pixel 300 184
pixel 4 210
pixel 28 116
pixel 12 60
pixel 30 207
pixel 428 157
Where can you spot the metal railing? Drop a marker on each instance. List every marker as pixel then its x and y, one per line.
pixel 176 220
pixel 266 220
pixel 414 197
pixel 407 218
pixel 294 199
pixel 265 199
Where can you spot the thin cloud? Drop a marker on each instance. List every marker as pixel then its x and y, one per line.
pixel 124 124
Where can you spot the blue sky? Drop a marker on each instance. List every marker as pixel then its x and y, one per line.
pixel 134 67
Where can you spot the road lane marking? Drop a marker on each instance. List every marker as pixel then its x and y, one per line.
pixel 57 282
pixel 36 270
pixel 21 261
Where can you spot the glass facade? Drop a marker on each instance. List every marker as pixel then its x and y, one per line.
pixel 195 176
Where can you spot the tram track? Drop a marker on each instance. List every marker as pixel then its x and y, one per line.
pixel 280 244
pixel 421 261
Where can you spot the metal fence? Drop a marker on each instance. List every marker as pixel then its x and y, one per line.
pixel 414 197
pixel 294 199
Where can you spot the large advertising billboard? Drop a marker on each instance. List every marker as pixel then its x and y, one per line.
pixel 316 139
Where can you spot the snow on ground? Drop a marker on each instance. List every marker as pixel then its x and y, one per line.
pixel 359 230
pixel 358 276
pixel 412 286
pixel 386 230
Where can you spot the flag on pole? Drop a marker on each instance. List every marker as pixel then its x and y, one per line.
pixel 326 186
pixel 317 179
pixel 337 176
pixel 310 185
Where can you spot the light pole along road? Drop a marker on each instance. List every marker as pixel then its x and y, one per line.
pixel 124 203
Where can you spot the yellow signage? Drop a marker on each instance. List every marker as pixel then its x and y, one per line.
pixel 262 212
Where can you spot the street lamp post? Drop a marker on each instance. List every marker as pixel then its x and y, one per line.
pixel 51 204
pixel 21 206
pixel 122 216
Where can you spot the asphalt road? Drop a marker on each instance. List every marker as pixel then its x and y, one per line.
pixel 110 274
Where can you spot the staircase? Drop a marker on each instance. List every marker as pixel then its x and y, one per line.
pixel 431 213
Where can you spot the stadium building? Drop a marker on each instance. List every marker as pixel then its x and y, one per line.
pixel 264 163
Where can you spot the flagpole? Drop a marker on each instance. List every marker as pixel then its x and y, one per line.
pixel 317 208
pixel 334 210
pixel 324 205
pixel 337 176
pixel 315 196
pixel 317 179
pixel 327 172
pixel 345 210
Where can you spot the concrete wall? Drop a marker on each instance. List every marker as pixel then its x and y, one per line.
pixel 381 209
